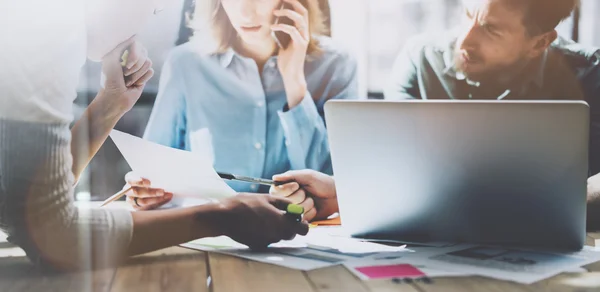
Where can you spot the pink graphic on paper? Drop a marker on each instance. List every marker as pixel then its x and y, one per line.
pixel 393 271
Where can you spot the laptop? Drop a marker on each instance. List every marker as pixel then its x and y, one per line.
pixel 511 173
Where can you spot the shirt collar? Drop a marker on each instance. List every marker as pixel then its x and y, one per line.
pixel 227 57
pixel 449 70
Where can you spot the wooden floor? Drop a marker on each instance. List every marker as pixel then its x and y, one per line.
pixel 180 269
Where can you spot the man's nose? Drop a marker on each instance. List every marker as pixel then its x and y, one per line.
pixel 470 38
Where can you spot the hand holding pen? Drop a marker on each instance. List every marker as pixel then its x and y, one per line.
pixel 125 72
pixel 310 189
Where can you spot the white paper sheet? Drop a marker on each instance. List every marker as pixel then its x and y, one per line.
pixel 184 173
pixel 521 266
pixel 314 251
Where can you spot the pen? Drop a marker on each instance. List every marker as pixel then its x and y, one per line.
pixel 122 193
pixel 116 196
pixel 252 180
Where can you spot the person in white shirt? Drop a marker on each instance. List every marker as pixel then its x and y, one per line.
pixel 44 44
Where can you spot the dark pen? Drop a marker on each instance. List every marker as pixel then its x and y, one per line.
pixel 252 180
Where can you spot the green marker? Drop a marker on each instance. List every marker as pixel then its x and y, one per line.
pixel 295 212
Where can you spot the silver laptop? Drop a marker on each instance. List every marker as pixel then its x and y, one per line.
pixel 491 172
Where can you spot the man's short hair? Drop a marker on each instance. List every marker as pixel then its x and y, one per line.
pixel 542 16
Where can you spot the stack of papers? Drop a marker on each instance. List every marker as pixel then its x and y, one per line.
pixel 325 246
pixel 314 251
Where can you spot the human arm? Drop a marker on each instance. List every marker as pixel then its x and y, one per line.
pixel 123 87
pixel 304 127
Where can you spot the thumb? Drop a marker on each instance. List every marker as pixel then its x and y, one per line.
pixel 287 176
pixel 302 177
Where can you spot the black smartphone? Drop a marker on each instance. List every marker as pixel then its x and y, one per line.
pixel 281 38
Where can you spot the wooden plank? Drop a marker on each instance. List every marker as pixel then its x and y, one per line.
pixel 172 269
pixel 579 282
pixel 473 284
pixel 390 286
pixel 335 278
pixel 230 274
pixel 567 282
pixel 339 278
pixel 18 274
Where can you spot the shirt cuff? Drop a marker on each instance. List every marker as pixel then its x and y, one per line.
pixel 301 116
pixel 299 127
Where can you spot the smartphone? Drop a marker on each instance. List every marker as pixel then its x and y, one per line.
pixel 281 38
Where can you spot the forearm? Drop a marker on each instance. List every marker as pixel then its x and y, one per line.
pixel 90 132
pixel 305 132
pixel 295 90
pixel 155 230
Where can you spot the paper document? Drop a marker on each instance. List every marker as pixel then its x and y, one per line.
pixel 314 251
pixel 184 173
pixel 517 265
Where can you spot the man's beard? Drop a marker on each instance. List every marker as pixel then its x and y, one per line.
pixel 499 75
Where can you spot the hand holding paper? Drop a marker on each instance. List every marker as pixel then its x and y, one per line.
pixel 182 173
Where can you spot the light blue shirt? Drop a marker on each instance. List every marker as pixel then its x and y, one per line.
pixel 219 103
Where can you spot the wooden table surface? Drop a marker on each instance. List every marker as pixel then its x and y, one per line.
pixel 180 269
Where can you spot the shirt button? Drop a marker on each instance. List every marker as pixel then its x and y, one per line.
pixel 287 142
pixel 260 104
pixel 258 146
pixel 254 187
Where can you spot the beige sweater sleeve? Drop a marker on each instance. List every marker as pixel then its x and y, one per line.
pixel 36 202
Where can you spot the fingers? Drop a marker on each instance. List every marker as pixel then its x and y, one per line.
pixel 298 197
pixel 307 204
pixel 138 56
pixel 145 78
pixel 133 179
pixel 301 228
pixel 137 76
pixel 303 177
pixel 292 31
pixel 145 192
pixel 299 8
pixel 278 202
pixel 287 176
pixel 285 190
pixel 310 214
pixel 299 21
pixel 144 204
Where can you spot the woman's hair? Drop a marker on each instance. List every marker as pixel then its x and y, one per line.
pixel 210 20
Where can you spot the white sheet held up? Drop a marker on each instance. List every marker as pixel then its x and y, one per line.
pixel 183 173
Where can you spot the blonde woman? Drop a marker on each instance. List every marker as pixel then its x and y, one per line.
pixel 253 107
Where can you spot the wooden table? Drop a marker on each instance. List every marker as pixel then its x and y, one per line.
pixel 180 269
